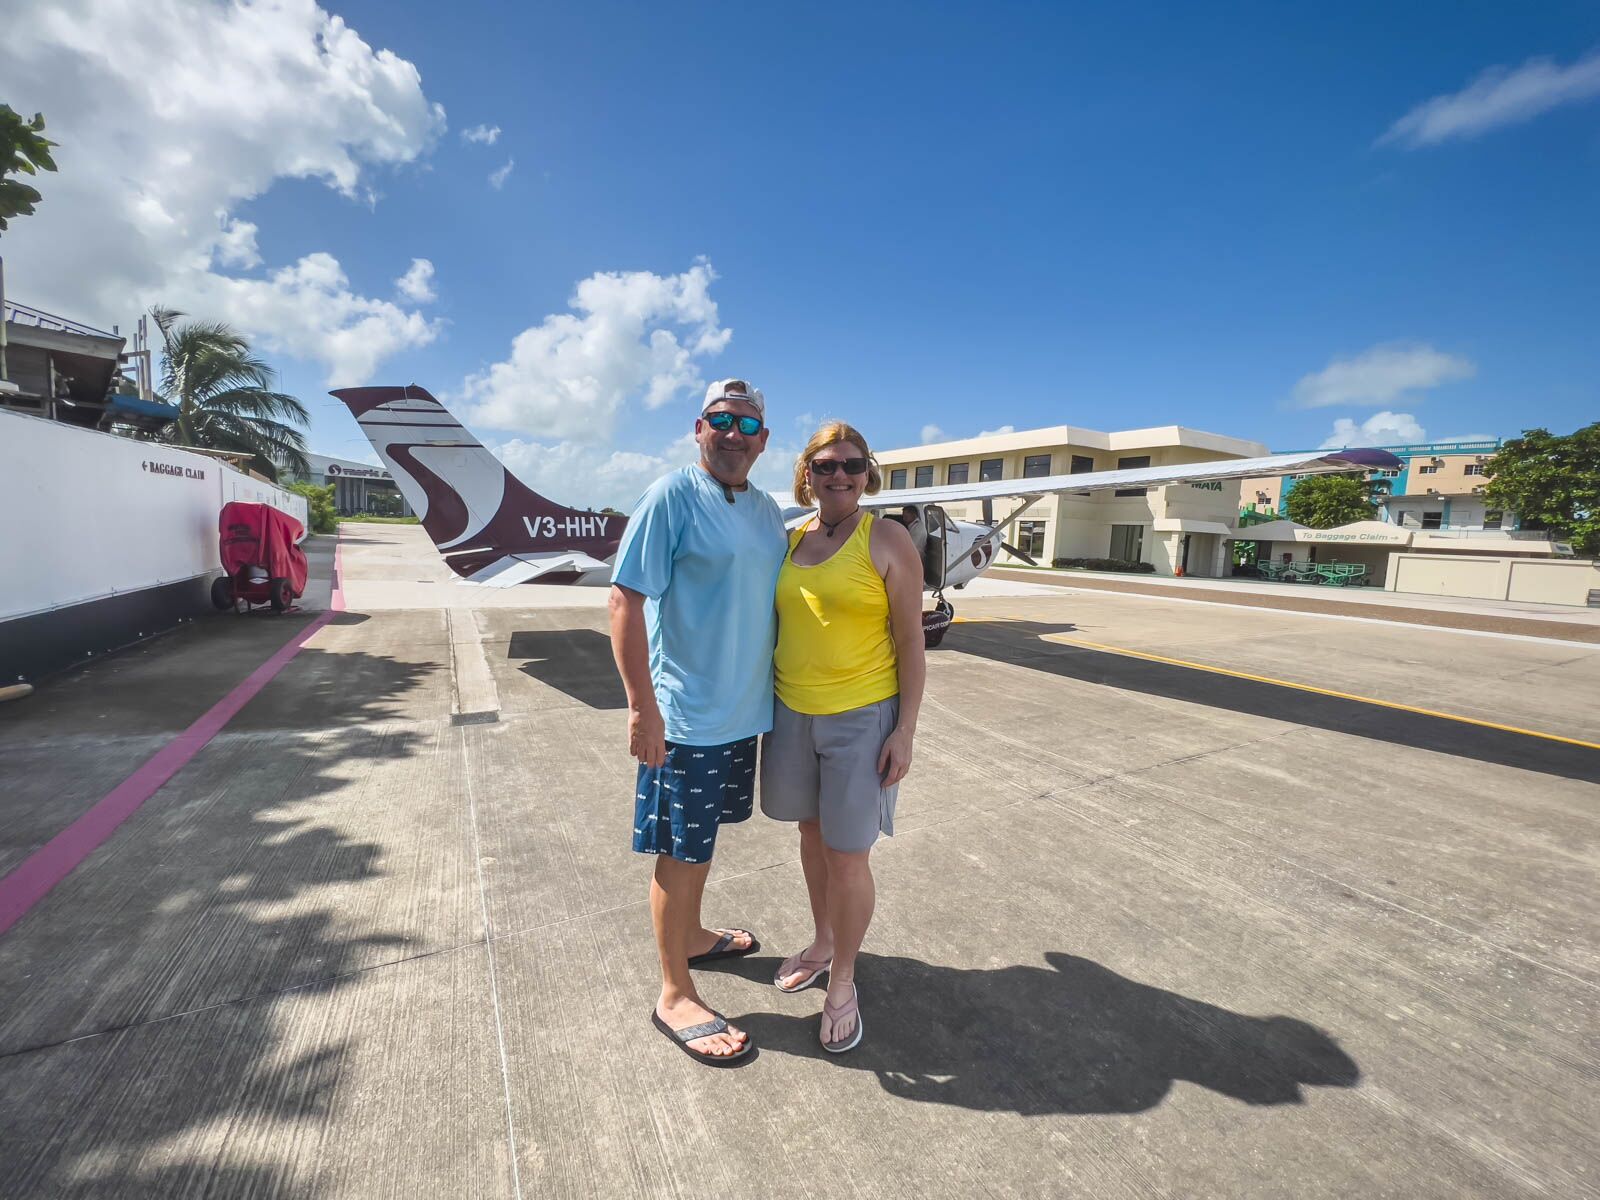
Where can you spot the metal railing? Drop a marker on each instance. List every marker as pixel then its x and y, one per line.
pixel 1527 535
pixel 37 318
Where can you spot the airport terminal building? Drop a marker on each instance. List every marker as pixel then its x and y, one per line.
pixel 358 488
pixel 1182 527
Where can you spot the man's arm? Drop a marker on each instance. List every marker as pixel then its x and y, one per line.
pixel 630 645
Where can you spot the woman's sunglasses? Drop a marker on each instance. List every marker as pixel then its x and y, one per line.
pixel 827 466
pixel 724 421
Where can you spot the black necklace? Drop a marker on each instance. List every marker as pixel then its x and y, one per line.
pixel 839 522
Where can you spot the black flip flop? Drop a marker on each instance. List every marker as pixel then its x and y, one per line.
pixel 720 950
pixel 682 1037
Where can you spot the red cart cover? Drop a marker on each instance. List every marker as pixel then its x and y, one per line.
pixel 258 534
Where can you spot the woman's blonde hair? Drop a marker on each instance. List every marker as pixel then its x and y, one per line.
pixel 831 433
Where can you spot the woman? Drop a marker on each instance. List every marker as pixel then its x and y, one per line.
pixel 848 672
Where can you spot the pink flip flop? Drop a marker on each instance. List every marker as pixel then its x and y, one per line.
pixel 834 1014
pixel 800 963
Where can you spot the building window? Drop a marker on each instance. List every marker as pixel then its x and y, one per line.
pixel 957 473
pixel 1082 464
pixel 1493 518
pixel 1123 464
pixel 1474 469
pixel 1035 465
pixel 1030 538
pixel 897 479
pixel 925 476
pixel 1427 470
pixel 1433 520
pixel 991 468
pixel 1127 542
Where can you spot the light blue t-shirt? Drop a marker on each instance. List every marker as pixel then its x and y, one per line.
pixel 708 570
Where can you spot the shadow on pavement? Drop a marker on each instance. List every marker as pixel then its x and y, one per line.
pixel 119 1084
pixel 575 661
pixel 1073 1038
pixel 1019 644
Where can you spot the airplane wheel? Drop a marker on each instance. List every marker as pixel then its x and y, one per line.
pixel 222 594
pixel 278 591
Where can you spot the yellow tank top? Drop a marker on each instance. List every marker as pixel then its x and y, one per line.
pixel 835 650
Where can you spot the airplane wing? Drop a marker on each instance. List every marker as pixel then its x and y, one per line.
pixel 1324 462
pixel 512 569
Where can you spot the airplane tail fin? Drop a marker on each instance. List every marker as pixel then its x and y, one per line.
pixel 474 509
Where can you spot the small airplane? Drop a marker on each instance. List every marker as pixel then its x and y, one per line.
pixel 494 530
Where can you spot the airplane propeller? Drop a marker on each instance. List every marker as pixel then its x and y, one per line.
pixel 1012 550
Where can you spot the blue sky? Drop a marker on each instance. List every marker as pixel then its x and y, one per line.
pixel 957 217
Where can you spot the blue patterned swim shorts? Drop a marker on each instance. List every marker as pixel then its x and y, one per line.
pixel 679 805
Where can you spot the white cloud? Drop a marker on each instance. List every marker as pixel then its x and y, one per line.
pixel 498 176
pixel 1496 98
pixel 631 335
pixel 1002 429
pixel 1379 375
pixel 417 283
pixel 931 434
pixel 584 476
pixel 1380 429
pixel 237 245
pixel 309 311
pixel 170 114
pixel 483 135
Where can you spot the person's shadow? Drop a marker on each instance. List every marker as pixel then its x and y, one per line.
pixel 1071 1038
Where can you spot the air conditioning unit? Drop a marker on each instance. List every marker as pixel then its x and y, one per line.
pixel 1433 491
pixel 1477 491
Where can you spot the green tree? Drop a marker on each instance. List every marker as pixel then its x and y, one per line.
pixel 319 505
pixel 224 396
pixel 24 149
pixel 1553 482
pixel 1327 501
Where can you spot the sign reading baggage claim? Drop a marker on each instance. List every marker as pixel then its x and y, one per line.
pixel 161 468
pixel 1393 537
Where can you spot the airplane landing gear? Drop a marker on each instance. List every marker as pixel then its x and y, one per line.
pixel 936 622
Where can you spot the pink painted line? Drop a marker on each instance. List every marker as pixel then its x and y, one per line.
pixel 56 859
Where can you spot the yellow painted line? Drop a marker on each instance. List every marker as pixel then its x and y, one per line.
pixel 1306 687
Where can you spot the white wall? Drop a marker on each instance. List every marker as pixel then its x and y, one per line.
pixel 85 514
pixel 1542 580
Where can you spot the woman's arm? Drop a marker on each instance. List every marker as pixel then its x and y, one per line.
pixel 895 556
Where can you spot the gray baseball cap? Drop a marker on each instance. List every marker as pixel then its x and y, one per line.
pixel 735 389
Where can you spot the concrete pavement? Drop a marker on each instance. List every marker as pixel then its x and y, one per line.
pixel 1145 930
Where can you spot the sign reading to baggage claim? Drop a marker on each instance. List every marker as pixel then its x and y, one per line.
pixel 1394 538
pixel 161 468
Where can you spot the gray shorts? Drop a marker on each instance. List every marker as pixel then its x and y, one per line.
pixel 825 769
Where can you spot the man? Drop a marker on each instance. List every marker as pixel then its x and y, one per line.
pixel 692 628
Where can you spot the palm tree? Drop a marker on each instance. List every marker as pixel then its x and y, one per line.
pixel 224 396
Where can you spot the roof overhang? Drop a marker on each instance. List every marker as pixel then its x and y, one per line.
pixel 1358 533
pixel 1190 525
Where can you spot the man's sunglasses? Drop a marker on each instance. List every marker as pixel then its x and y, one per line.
pixel 724 421
pixel 827 466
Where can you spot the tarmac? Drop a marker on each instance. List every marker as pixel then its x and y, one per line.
pixel 1184 900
